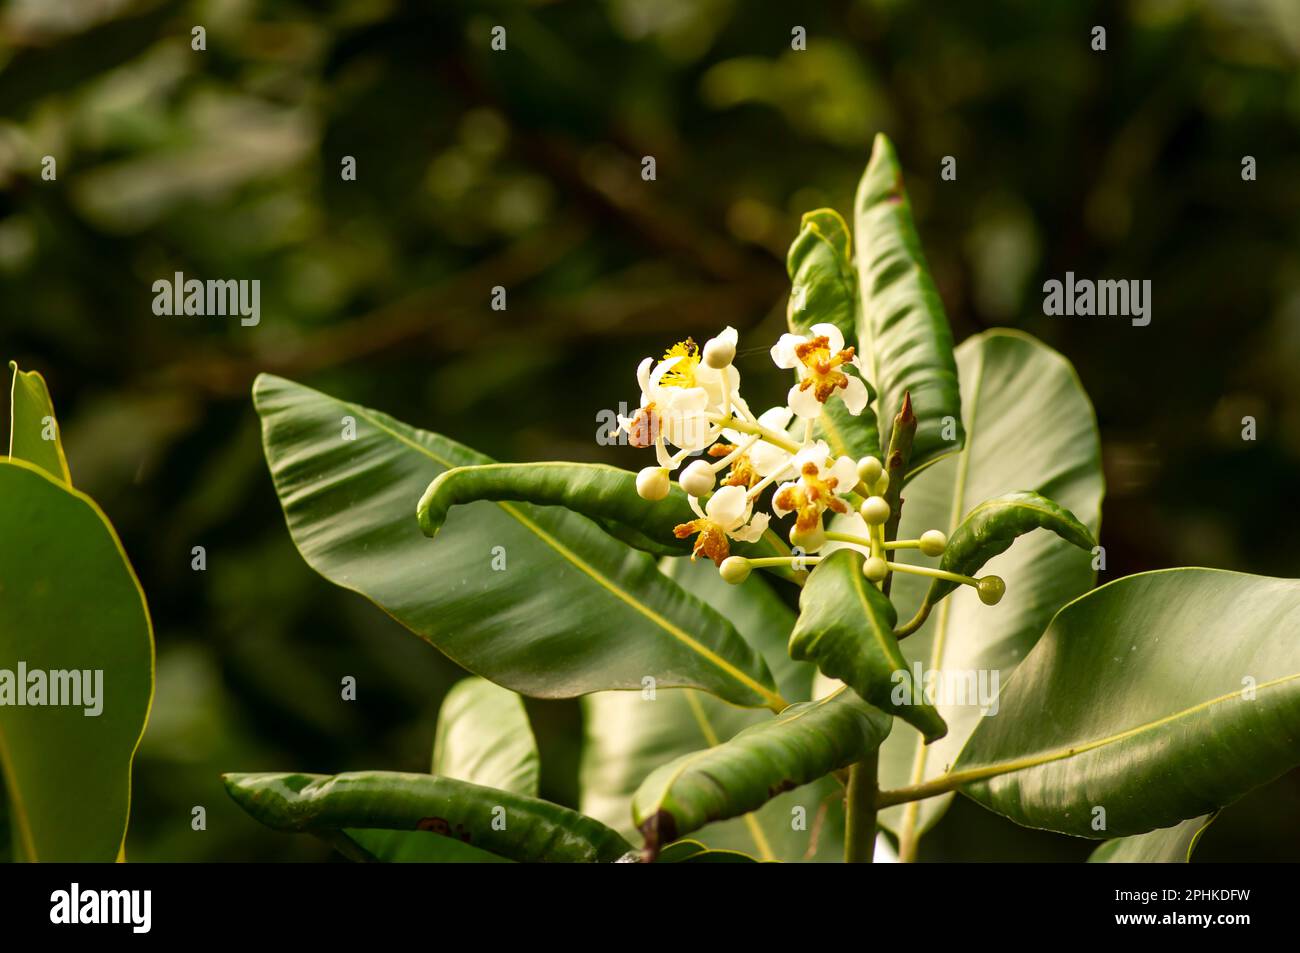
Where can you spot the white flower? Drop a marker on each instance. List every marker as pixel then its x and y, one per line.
pixel 678 394
pixel 817 359
pixel 765 458
pixel 823 478
pixel 726 514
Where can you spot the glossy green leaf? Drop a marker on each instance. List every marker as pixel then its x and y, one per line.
pixel 824 290
pixel 484 737
pixel 510 825
pixel 1028 423
pixel 693 852
pixel 991 527
pixel 74 627
pixel 1158 697
pixel 903 335
pixel 538 599
pixel 1165 845
pixel 34 433
pixel 803 743
pixel 846 628
pixel 605 494
pixel 630 734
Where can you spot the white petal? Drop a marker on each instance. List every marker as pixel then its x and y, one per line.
pixel 695 505
pixel 845 472
pixel 662 455
pixel 643 377
pixel 783 350
pixel 729 335
pixel 804 403
pixel 854 395
pixel 688 429
pixel 777 508
pixel 752 531
pixel 834 336
pixel 775 418
pixel 662 368
pixel 767 459
pixel 728 506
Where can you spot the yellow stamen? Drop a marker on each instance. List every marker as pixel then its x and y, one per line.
pixel 711 542
pixel 681 374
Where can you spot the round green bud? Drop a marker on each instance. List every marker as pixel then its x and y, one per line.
pixel 735 569
pixel 874 510
pixel 991 590
pixel 880 487
pixel 869 470
pixel 875 569
pixel 933 542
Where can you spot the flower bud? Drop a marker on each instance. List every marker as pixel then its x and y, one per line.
pixel 882 485
pixel 991 589
pixel 697 479
pixel 809 540
pixel 734 569
pixel 869 470
pixel 933 542
pixel 874 510
pixel 652 483
pixel 719 353
pixel 875 569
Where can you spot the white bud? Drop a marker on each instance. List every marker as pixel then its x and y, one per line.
pixel 719 353
pixel 697 479
pixel 933 542
pixel 874 510
pixel 869 470
pixel 809 540
pixel 875 569
pixel 734 569
pixel 652 483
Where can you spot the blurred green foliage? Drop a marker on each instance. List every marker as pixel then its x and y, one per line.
pixel 522 169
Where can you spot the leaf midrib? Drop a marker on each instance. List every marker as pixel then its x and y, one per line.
pixel 912 811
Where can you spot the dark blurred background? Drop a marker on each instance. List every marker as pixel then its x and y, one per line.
pixel 522 169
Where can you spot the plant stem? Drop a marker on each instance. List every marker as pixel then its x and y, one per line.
pixel 860 811
pixel 769 435
pixel 933 573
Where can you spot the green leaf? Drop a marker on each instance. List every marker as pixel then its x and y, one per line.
pixel 538 599
pixel 846 627
pixel 824 290
pixel 1028 423
pixel 903 335
pixel 1158 697
pixel 510 825
pixel 71 604
pixel 630 734
pixel 803 743
pixel 484 737
pixel 32 421
pixel 602 493
pixel 991 527
pixel 693 852
pixel 1166 845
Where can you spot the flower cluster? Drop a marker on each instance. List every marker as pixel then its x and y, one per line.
pixel 691 407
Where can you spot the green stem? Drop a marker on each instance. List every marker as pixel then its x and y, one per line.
pixel 933 573
pixel 769 435
pixel 860 811
pixel 916 621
